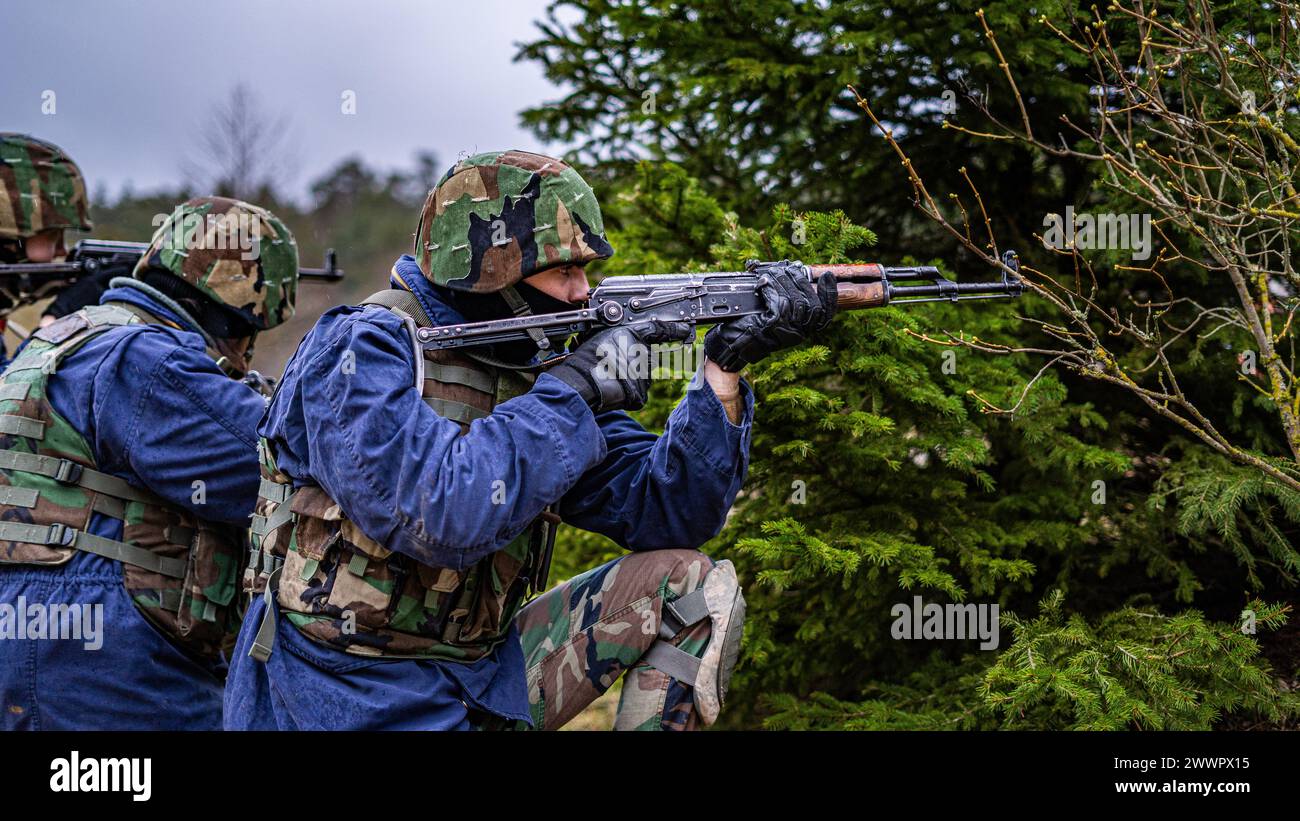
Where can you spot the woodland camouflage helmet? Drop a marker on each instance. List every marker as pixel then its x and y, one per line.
pixel 41 188
pixel 498 217
pixel 236 253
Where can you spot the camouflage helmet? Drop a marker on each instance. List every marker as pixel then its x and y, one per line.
pixel 238 254
pixel 41 188
pixel 498 217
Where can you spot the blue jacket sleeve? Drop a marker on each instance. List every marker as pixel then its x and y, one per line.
pixel 671 491
pixel 405 475
pixel 166 415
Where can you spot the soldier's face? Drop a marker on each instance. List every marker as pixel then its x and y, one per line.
pixel 45 246
pixel 567 284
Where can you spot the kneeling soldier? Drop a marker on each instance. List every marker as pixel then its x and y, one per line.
pixel 410 498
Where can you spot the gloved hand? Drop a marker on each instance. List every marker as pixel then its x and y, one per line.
pixel 796 308
pixel 86 290
pixel 611 369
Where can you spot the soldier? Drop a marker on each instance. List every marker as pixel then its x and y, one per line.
pixel 128 471
pixel 42 195
pixel 409 501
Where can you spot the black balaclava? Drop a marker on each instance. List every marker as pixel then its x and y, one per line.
pixel 483 307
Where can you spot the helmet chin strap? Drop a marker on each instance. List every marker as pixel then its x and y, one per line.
pixel 233 363
pixel 519 306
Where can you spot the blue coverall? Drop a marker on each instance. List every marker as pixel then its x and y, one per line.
pixel 158 413
pixel 410 481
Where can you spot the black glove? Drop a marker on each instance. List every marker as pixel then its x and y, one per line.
pixel 611 369
pixel 87 289
pixel 796 308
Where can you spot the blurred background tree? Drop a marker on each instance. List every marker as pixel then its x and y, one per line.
pixel 244 151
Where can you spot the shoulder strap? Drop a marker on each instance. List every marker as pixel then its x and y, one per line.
pixel 406 302
pixel 403 301
pixel 145 316
pixel 55 342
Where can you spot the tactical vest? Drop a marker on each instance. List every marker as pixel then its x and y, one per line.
pixel 340 587
pixel 181 571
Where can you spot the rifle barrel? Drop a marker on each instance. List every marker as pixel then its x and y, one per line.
pixel 950 289
pixel 52 268
pixel 90 253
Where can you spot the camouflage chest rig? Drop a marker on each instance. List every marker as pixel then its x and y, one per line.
pixel 180 571
pixel 343 589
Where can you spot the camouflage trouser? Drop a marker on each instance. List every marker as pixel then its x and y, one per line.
pixel 581 636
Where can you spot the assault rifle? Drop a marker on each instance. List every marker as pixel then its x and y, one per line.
pixel 711 298
pixel 27 282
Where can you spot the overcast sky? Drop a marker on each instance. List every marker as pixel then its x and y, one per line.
pixel 133 80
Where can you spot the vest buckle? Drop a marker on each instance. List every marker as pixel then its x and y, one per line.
pixel 62 535
pixel 68 472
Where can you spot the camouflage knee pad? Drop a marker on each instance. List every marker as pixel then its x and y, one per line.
pixel 726 606
pixel 694 666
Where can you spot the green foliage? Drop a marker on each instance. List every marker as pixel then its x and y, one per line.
pixel 1135 668
pixel 751 97
pixel 1225 506
pixel 875 476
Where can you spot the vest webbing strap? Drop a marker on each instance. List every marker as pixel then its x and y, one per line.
pixel 263 525
pixel 456 411
pixel 264 641
pixel 22 426
pixel 69 472
pixel 110 506
pixel 33 364
pixel 273 491
pixel 18 496
pixel 15 390
pixel 458 375
pixel 58 535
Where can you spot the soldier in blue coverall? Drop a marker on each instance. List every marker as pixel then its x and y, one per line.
pixel 42 195
pixel 128 470
pixel 409 499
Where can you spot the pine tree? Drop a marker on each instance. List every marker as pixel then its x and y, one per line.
pixel 875 477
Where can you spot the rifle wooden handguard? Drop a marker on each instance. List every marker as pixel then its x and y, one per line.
pixel 854 295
